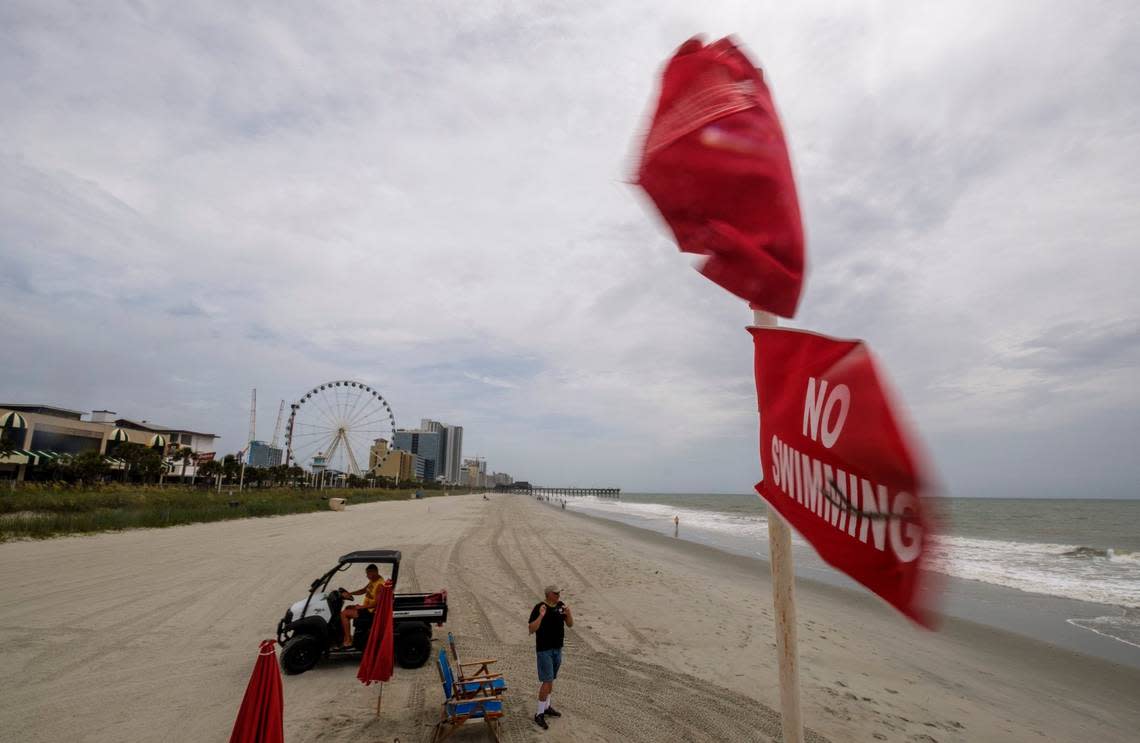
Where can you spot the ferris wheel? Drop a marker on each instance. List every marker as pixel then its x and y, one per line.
pixel 334 426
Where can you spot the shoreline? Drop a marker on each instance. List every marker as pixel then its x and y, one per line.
pixel 673 639
pixel 1053 620
pixel 959 626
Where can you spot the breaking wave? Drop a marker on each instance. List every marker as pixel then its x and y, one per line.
pixel 1085 573
pixel 1099 575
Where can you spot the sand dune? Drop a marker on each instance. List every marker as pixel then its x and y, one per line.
pixel 150 635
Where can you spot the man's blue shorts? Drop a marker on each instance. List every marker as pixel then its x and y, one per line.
pixel 548 663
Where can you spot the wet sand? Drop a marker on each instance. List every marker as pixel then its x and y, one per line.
pixel 151 635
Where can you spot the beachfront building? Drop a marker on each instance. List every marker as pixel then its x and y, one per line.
pixel 451 448
pixel 474 473
pixel 376 452
pixel 427 445
pixel 144 432
pixel 261 454
pixel 454 452
pixel 33 434
pixel 170 438
pixel 399 465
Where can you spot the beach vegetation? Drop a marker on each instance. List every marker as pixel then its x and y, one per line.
pixel 47 509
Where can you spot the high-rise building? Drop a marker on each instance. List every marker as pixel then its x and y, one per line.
pixel 451 448
pixel 426 444
pixel 427 425
pixel 474 473
pixel 454 452
pixel 261 454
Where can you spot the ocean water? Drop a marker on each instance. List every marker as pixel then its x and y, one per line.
pixel 1081 550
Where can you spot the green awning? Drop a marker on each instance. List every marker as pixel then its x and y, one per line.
pixel 158 440
pixel 118 435
pixel 18 456
pixel 13 420
pixel 44 456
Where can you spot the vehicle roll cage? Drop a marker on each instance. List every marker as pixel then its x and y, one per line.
pixel 387 557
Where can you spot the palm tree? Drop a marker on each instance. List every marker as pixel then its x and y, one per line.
pixel 185 454
pixel 8 440
pixel 209 469
pixel 231 466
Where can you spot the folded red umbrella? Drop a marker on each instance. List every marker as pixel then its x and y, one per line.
pixel 716 165
pixel 260 717
pixel 376 664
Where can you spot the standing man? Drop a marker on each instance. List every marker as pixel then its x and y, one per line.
pixel 548 622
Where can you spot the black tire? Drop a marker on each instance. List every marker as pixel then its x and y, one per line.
pixel 413 648
pixel 300 653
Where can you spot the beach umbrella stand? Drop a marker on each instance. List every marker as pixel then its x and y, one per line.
pixel 379 654
pixel 261 715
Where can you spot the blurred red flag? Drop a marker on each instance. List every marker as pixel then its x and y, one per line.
pixel 260 717
pixel 716 165
pixel 839 465
pixel 376 663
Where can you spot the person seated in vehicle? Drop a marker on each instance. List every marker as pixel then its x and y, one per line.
pixel 348 613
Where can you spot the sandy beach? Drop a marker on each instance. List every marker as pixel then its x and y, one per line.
pixel 151 635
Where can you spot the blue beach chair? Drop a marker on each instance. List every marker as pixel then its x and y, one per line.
pixel 459 706
pixel 481 670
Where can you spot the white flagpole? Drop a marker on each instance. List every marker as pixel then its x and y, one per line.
pixel 784 604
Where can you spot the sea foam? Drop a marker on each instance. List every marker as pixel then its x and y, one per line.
pixel 1085 573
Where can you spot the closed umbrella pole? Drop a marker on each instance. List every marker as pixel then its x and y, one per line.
pixel 379 653
pixel 261 715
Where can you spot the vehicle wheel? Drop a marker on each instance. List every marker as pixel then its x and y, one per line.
pixel 300 654
pixel 413 649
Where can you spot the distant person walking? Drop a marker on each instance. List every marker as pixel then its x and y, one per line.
pixel 676 525
pixel 548 621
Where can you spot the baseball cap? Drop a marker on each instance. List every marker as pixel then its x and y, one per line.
pixel 552 588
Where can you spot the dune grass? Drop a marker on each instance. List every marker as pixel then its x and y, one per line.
pixel 46 510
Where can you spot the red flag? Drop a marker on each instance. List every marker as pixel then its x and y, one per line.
pixel 838 462
pixel 376 664
pixel 716 165
pixel 260 717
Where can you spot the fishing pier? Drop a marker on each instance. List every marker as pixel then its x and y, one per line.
pixel 614 493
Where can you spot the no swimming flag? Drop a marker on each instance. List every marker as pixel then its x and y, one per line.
pixel 840 465
pixel 716 166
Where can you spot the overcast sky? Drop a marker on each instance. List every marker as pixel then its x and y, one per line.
pixel 197 199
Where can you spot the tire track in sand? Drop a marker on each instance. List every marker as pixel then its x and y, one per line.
pixel 612 608
pixel 463 589
pixel 587 636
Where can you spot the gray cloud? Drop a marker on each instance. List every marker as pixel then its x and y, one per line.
pixel 189 308
pixel 200 199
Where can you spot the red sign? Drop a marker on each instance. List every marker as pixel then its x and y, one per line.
pixel 838 463
pixel 204 456
pixel 716 165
